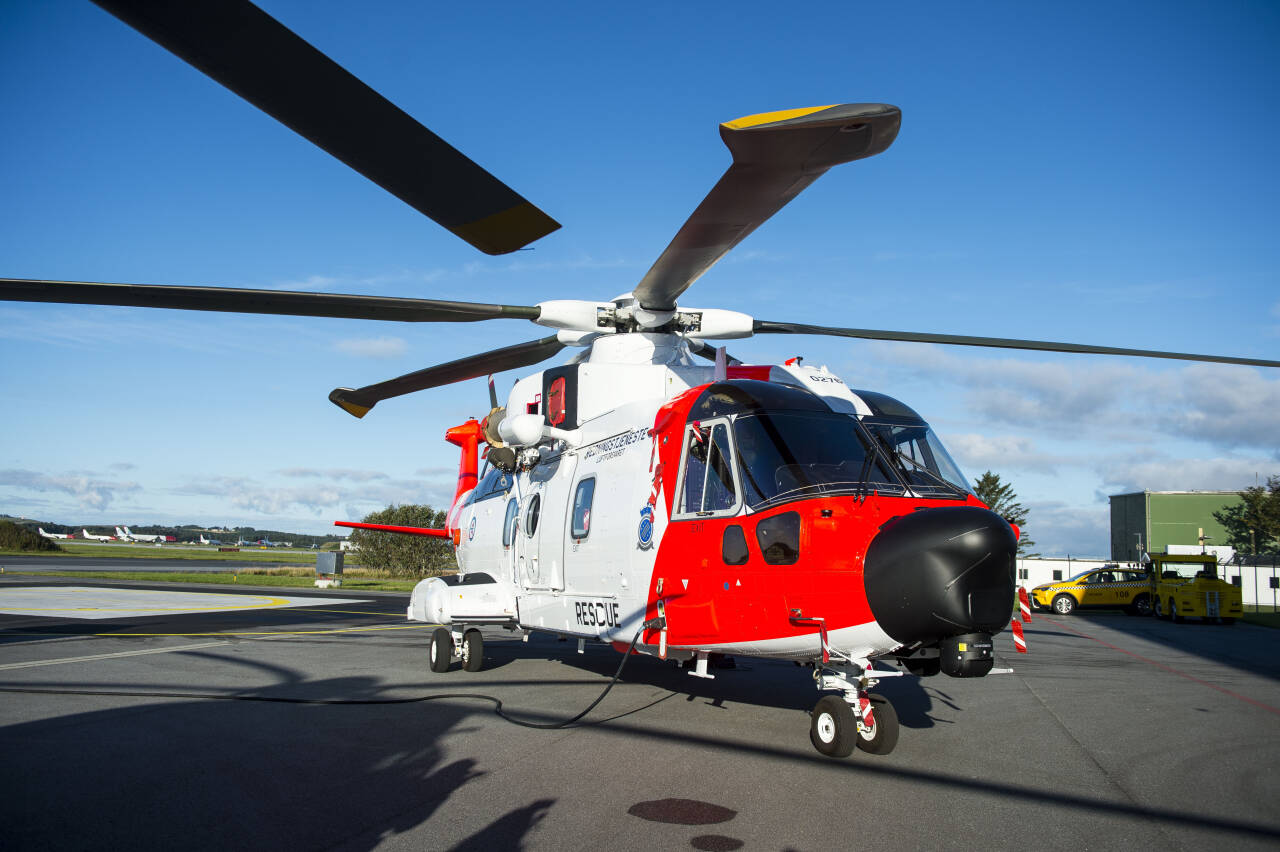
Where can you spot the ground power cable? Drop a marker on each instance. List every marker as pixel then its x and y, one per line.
pixel 419 699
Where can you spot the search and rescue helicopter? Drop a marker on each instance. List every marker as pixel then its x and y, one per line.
pixel 636 495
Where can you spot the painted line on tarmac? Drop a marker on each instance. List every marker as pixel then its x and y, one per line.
pixel 1247 700
pixel 267 634
pixel 358 612
pixel 92 657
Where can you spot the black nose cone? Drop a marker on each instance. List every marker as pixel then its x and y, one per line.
pixel 942 572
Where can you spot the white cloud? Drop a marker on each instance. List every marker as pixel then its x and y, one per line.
pixel 1224 406
pixel 1183 474
pixel 322 497
pixel 976 452
pixel 333 473
pixel 372 347
pixel 1058 529
pixel 89 491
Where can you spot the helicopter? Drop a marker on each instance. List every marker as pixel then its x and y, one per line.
pixel 653 493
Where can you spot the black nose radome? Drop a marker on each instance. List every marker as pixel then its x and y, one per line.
pixel 942 572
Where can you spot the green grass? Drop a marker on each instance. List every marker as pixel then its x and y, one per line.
pixel 1265 617
pixel 292 578
pixel 274 556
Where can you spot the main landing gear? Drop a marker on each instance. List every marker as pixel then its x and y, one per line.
pixel 856 718
pixel 447 644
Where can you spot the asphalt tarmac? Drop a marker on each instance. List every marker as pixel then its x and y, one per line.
pixel 1115 732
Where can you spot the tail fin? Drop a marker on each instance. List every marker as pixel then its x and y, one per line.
pixel 467 437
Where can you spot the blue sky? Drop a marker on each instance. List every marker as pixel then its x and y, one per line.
pixel 1092 172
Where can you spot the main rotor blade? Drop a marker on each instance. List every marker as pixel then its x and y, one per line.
pixel 705 350
pixel 775 156
pixel 769 327
pixel 255 56
pixel 358 401
pixel 235 300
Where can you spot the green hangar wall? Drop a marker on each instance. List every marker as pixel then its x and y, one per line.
pixel 1163 518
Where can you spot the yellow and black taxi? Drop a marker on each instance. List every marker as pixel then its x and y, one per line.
pixel 1107 587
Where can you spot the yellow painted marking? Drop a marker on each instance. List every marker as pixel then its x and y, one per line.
pixel 352 408
pixel 770 117
pixel 506 230
pixel 357 612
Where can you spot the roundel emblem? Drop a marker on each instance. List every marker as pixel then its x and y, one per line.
pixel 644 533
pixel 471 530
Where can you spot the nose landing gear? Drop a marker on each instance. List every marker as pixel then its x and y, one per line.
pixel 855 719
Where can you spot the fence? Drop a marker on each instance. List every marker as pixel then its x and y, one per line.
pixel 1258 578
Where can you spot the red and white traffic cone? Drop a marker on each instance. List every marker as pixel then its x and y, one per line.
pixel 1024 604
pixel 1019 641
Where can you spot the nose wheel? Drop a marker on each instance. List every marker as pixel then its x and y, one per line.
pixel 854 719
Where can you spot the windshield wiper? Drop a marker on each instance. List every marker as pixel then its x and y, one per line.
pixel 945 483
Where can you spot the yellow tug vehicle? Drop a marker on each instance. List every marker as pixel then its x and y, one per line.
pixel 1190 586
pixel 1108 587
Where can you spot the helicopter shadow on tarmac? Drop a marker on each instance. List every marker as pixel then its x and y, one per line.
pixel 242 774
pixel 758 682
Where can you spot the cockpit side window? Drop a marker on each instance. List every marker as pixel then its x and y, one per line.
pixel 708 485
pixel 790 455
pixel 919 456
pixel 495 483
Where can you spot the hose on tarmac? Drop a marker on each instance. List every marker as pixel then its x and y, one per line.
pixel 277 699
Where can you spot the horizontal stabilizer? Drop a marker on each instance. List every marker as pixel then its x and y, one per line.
pixel 394 529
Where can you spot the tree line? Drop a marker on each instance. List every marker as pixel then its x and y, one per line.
pixel 1253 524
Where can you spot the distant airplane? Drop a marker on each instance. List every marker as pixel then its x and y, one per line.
pixel 127 535
pixel 52 535
pixel 90 535
pixel 204 540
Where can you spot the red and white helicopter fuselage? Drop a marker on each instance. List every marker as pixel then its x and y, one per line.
pixel 753 515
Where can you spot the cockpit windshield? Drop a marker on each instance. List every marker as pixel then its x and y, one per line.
pixel 784 455
pixel 919 456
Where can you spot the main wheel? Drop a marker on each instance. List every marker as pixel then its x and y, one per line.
pixel 883 735
pixel 1158 609
pixel 472 650
pixel 1064 604
pixel 833 728
pixel 1173 612
pixel 1141 605
pixel 441 651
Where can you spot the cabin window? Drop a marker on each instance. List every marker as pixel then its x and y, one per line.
pixel 708 486
pixel 582 508
pixel 733 547
pixel 779 538
pixel 531 515
pixel 509 522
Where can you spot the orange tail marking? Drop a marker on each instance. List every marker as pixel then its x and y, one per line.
pixel 468 438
